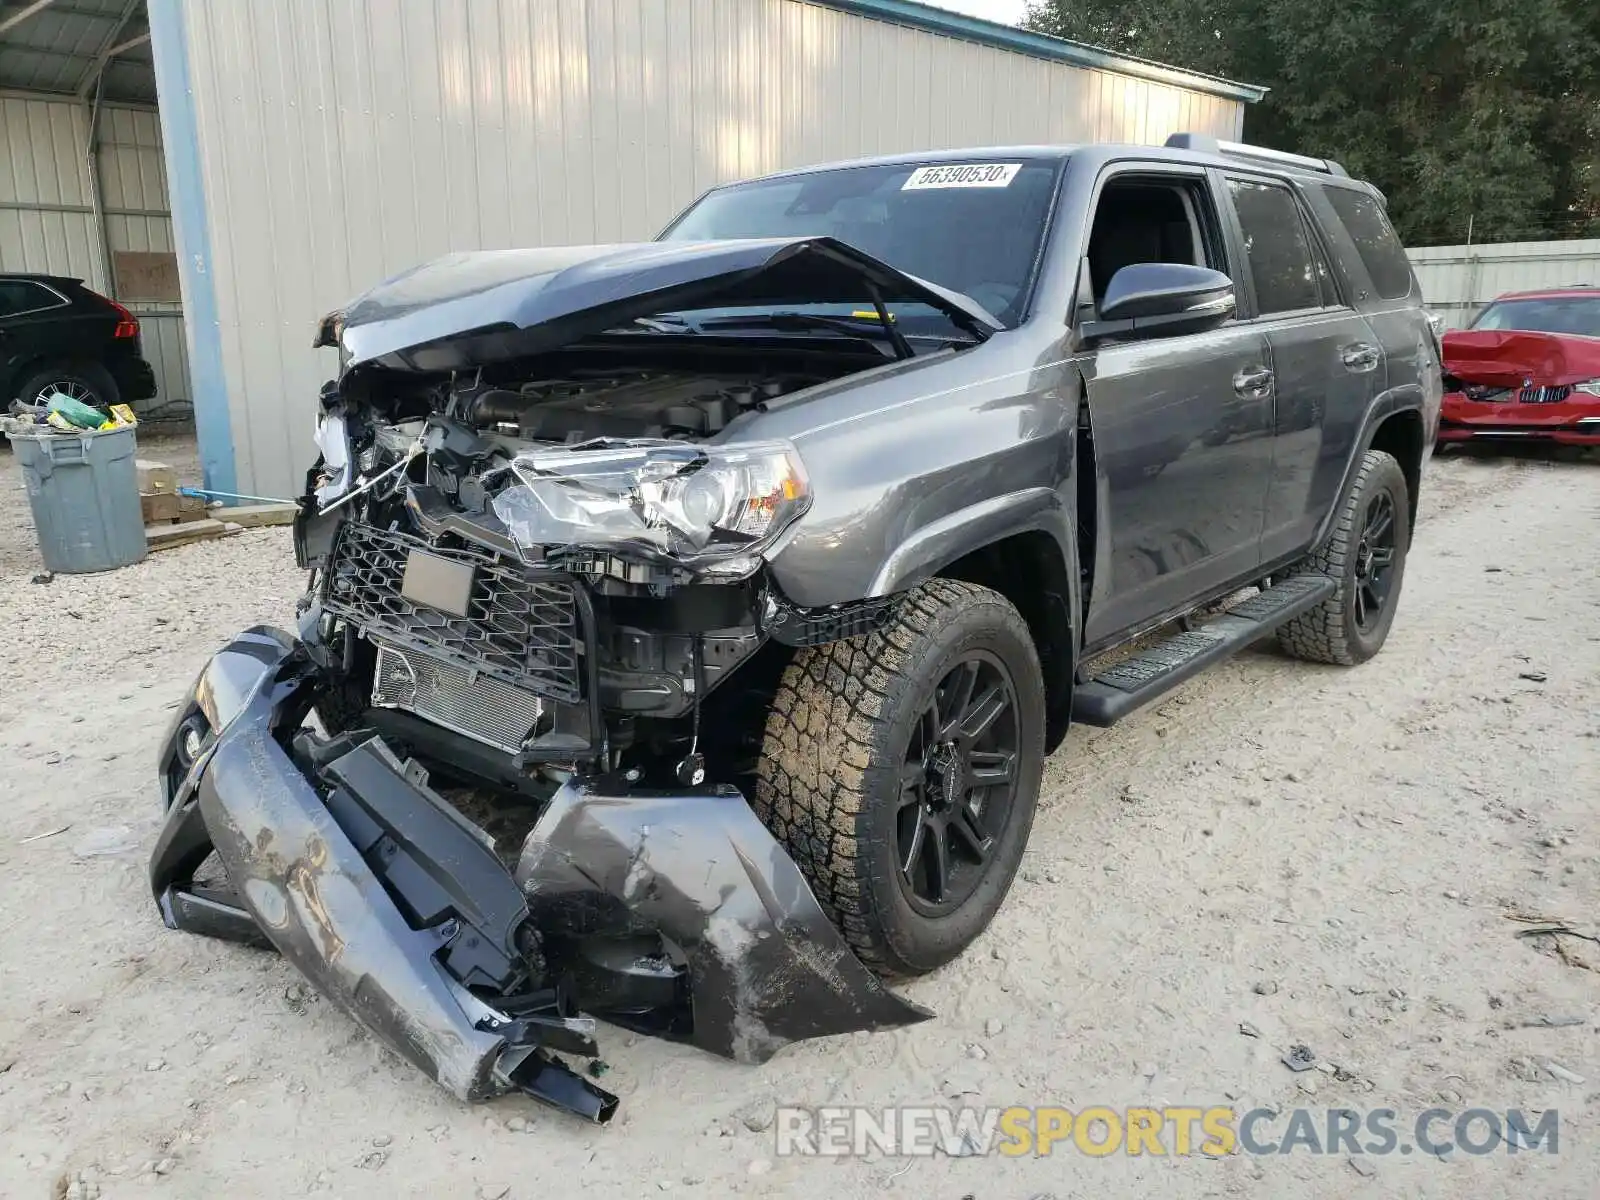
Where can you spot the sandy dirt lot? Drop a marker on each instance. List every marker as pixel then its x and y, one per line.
pixel 1322 857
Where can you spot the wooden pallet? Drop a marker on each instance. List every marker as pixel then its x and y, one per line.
pixel 171 536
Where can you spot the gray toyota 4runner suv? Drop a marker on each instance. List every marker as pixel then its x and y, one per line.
pixel 689 621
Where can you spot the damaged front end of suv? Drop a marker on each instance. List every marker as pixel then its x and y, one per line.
pixel 478 798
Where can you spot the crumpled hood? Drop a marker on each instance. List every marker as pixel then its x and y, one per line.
pixel 467 309
pixel 1517 358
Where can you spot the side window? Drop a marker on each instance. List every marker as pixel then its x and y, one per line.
pixel 1277 247
pixel 22 295
pixel 1380 250
pixel 1152 219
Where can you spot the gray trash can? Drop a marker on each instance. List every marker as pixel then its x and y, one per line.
pixel 84 492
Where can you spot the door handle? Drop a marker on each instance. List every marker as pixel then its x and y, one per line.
pixel 1360 357
pixel 1253 383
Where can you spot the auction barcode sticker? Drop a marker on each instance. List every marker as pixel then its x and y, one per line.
pixel 955 175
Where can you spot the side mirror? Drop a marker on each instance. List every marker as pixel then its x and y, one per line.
pixel 1163 299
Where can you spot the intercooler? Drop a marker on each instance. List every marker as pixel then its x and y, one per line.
pixel 457 698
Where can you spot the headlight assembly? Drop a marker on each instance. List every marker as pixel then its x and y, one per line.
pixel 329 330
pixel 712 509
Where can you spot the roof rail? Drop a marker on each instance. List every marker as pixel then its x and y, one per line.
pixel 1204 143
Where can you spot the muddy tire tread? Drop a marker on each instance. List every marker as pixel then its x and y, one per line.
pixel 1321 635
pixel 832 717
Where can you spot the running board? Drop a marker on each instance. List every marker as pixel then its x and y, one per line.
pixel 1156 670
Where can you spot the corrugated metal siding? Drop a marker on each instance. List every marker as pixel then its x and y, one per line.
pixel 45 219
pixel 1457 281
pixel 133 181
pixel 345 140
pixel 46 213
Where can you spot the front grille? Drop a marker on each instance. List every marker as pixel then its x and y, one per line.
pixel 518 631
pixel 455 697
pixel 1543 395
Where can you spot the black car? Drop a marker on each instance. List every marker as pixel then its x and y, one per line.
pixel 58 336
pixel 688 622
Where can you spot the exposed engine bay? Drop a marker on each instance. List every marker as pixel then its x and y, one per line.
pixel 548 570
pixel 641 404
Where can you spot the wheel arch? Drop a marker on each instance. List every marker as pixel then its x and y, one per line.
pixel 1401 435
pixel 22 371
pixel 1037 571
pixel 1396 427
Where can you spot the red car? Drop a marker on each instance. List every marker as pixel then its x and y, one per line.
pixel 1528 367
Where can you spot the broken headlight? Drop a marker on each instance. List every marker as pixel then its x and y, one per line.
pixel 712 509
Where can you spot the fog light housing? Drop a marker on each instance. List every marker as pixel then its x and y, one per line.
pixel 192 735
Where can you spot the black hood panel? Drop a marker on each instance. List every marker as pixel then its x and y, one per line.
pixel 485 306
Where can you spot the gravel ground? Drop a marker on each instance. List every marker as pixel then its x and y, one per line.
pixel 1320 856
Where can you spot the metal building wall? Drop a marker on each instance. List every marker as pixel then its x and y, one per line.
pixel 47 221
pixel 1457 281
pixel 342 142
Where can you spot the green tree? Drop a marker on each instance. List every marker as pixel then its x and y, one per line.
pixel 1485 111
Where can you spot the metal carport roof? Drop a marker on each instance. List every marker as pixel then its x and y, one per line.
pixel 61 47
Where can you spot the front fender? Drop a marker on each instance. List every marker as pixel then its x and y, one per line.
pixel 943 541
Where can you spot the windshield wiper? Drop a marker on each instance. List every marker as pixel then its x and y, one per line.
pixel 855 325
pixel 849 326
pixel 665 323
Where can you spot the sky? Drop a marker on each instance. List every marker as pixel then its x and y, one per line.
pixel 1007 12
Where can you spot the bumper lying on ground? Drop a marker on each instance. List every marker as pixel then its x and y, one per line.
pixel 674 913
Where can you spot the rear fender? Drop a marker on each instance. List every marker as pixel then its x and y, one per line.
pixel 1406 399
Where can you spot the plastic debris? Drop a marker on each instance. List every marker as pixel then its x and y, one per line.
pixel 104 843
pixel 49 833
pixel 1300 1058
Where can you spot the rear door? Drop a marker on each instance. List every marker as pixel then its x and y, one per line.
pixel 1182 425
pixel 1377 277
pixel 31 328
pixel 1326 363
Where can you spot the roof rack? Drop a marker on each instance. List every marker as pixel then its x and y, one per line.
pixel 1204 143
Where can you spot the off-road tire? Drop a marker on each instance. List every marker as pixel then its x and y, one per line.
pixel 1329 633
pixel 828 780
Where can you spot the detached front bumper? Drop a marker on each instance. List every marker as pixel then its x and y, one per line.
pixel 675 913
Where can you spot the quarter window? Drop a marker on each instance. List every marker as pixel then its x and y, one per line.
pixel 1276 246
pixel 1376 243
pixel 19 296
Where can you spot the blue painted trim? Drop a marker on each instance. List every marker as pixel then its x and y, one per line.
pixel 1039 45
pixel 180 136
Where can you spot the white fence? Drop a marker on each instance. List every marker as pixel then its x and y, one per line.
pixel 1459 280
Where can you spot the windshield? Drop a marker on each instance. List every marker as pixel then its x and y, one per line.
pixel 973 228
pixel 1550 314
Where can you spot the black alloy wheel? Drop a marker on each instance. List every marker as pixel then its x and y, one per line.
pixel 1375 553
pixel 958 783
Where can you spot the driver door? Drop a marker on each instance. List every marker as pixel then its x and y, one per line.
pixel 1182 424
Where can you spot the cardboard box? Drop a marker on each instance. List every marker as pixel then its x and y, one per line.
pixel 156 478
pixel 158 507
